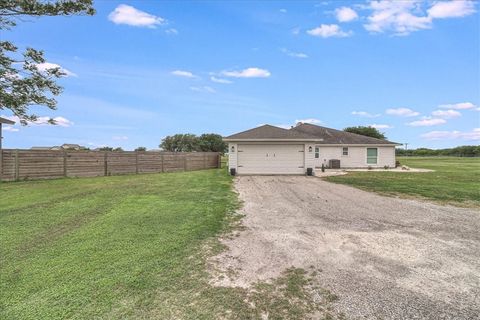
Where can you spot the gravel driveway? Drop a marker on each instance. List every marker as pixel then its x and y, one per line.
pixel 386 258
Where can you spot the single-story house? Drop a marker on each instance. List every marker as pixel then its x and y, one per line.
pixel 303 148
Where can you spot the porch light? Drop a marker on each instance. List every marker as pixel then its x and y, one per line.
pixel 310 149
pixel 232 149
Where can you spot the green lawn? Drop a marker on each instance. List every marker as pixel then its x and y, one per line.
pixel 127 247
pixel 455 180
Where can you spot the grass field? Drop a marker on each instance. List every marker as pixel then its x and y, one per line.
pixel 127 247
pixel 455 181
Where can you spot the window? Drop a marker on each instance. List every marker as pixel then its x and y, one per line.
pixel 317 152
pixel 345 151
pixel 372 155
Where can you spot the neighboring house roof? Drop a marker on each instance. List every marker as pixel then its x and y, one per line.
pixel 268 132
pixel 71 146
pixel 6 121
pixel 305 132
pixel 65 146
pixel 40 148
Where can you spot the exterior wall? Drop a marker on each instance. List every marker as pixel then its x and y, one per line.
pixel 232 156
pixel 309 156
pixel 357 156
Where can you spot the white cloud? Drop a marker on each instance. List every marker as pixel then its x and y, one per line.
pixel 289 53
pixel 427 122
pixel 365 114
pixel 120 138
pixel 284 126
pixel 10 128
pixel 329 30
pixel 310 120
pixel 396 16
pixel 451 9
pixel 283 10
pixel 458 106
pixel 446 114
pixel 404 17
pixel 48 65
pixel 125 14
pixel 442 135
pixel 203 89
pixel 183 73
pixel 220 80
pixel 60 121
pixel 402 112
pixel 346 14
pixel 380 126
pixel 248 73
pixel 171 31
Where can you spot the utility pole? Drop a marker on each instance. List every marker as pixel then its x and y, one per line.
pixel 406 149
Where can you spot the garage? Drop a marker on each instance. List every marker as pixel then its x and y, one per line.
pixel 270 158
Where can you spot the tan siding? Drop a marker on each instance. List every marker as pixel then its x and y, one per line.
pixel 309 157
pixel 357 156
pixel 232 156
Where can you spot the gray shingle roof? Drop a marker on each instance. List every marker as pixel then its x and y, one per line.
pixel 307 132
pixel 6 121
pixel 271 132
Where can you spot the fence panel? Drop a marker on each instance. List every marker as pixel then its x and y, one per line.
pixel 49 164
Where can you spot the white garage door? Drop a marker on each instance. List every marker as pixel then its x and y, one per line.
pixel 270 159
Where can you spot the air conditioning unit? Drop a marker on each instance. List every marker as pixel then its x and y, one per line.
pixel 334 164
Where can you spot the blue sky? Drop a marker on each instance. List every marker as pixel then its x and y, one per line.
pixel 141 70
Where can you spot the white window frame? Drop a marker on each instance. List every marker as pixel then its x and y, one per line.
pixel 317 152
pixel 343 151
pixel 366 158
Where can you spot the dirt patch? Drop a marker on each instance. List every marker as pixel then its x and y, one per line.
pixel 383 257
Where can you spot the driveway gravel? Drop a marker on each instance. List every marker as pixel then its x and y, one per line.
pixel 385 258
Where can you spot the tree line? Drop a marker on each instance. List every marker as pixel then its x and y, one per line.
pixel 187 142
pixel 460 151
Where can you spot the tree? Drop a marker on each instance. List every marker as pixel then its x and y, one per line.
pixel 212 142
pixel 180 143
pixel 141 149
pixel 366 131
pixel 117 149
pixel 105 149
pixel 22 83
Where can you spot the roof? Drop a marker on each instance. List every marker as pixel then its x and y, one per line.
pixel 306 132
pixel 333 136
pixel 268 132
pixel 6 121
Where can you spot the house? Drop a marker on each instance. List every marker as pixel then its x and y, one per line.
pixel 65 146
pixel 272 150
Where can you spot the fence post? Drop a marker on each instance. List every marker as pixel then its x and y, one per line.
pixel 64 163
pixel 184 162
pixel 204 160
pixel 1 162
pixel 17 169
pixel 219 160
pixel 105 163
pixel 136 162
pixel 161 158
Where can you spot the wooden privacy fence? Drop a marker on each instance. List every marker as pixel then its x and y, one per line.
pixel 47 164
